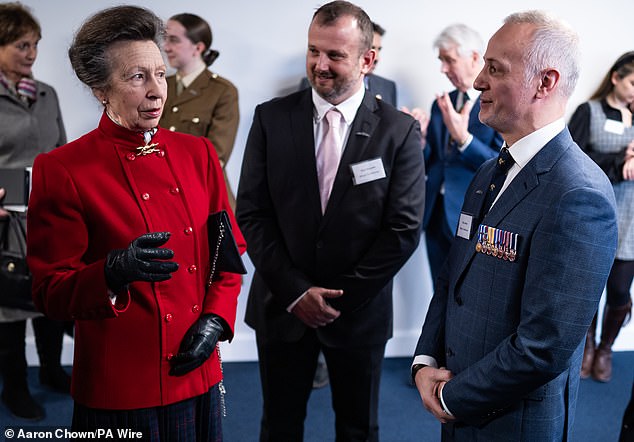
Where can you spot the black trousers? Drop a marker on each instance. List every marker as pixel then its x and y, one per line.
pixel 287 371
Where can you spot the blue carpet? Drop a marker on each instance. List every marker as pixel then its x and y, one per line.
pixel 402 416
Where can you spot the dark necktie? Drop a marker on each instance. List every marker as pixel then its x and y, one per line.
pixel 503 164
pixel 461 99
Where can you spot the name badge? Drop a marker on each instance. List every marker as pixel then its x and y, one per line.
pixel 613 126
pixel 464 226
pixel 366 171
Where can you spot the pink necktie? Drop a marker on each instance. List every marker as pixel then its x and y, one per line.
pixel 328 156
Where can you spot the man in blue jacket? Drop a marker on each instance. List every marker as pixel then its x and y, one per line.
pixel 500 352
pixel 457 143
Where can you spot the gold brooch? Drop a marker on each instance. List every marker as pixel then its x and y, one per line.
pixel 146 150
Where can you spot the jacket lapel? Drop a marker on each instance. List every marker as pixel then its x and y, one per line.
pixel 301 118
pixel 194 90
pixel 528 178
pixel 523 184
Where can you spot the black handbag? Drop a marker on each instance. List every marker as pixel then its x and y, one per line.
pixel 15 277
pixel 223 250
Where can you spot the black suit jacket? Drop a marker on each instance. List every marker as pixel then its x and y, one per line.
pixel 382 88
pixel 366 234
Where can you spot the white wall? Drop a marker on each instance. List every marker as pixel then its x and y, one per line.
pixel 262 46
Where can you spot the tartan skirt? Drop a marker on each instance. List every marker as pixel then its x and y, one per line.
pixel 192 420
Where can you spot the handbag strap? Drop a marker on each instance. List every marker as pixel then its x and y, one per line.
pixel 214 261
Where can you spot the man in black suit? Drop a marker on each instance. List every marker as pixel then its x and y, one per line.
pixel 379 86
pixel 376 85
pixel 325 259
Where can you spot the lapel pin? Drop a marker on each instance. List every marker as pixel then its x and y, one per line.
pixel 148 149
pixel 363 134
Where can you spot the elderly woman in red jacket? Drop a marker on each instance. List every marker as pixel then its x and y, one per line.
pixel 118 242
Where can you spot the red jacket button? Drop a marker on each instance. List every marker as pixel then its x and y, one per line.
pixel 168 317
pixel 130 156
pixel 192 268
pixel 188 231
pixel 196 308
pixel 145 196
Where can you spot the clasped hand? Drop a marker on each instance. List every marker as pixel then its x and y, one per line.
pixel 312 308
pixel 143 260
pixel 429 382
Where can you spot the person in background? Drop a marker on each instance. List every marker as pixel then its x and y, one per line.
pixel 199 102
pixel 147 321
pixel 327 229
pixel 30 123
pixel 380 87
pixel 602 127
pixel 457 143
pixel 501 347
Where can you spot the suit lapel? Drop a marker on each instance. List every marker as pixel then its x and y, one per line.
pixel 361 131
pixel 473 206
pixel 519 189
pixel 528 178
pixel 301 117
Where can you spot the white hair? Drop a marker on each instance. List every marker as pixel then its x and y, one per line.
pixel 463 37
pixel 554 45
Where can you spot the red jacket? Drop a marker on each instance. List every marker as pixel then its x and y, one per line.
pixel 96 194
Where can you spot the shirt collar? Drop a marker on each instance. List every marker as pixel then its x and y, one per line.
pixel 189 78
pixel 348 108
pixel 526 148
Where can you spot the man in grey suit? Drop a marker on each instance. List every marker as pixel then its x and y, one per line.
pixel 500 351
pixel 325 256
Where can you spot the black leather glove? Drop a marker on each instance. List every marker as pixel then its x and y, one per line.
pixel 143 260
pixel 198 344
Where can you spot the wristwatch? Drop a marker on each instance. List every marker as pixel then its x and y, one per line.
pixel 415 369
